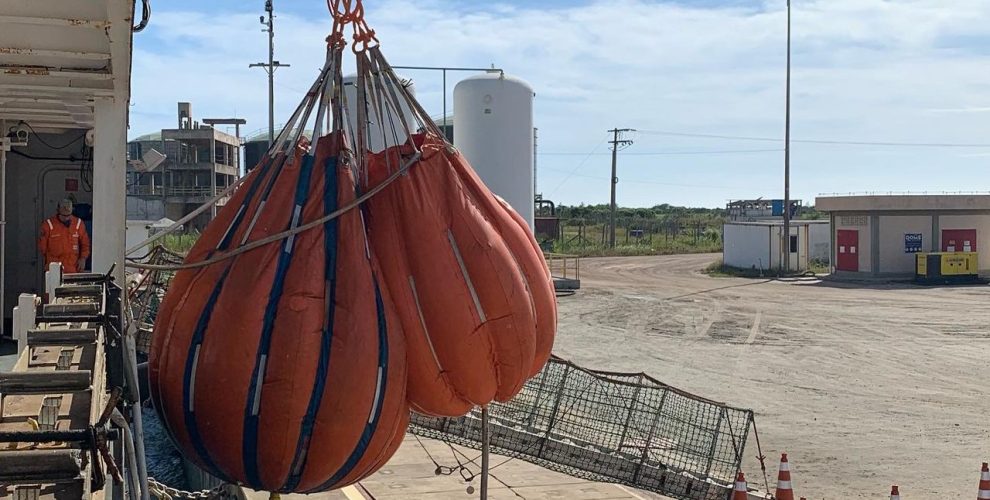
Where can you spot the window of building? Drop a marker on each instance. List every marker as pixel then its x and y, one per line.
pixel 794 243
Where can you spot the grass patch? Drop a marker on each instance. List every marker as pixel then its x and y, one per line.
pixel 718 269
pixel 642 246
pixel 179 243
pixel 819 267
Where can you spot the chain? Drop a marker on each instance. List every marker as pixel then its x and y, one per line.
pixel 163 492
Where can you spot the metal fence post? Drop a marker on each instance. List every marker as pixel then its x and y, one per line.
pixel 629 414
pixel 539 392
pixel 715 433
pixel 556 407
pixel 649 437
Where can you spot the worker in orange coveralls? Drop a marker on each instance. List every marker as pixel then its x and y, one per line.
pixel 64 239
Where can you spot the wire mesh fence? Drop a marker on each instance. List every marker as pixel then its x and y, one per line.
pixel 613 427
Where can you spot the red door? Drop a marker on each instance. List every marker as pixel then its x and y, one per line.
pixel 958 240
pixel 848 251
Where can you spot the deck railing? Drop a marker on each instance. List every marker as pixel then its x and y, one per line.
pixel 563 265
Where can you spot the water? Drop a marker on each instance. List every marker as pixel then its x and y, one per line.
pixel 164 461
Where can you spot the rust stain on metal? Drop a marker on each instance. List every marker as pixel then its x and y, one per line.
pixel 86 22
pixel 26 70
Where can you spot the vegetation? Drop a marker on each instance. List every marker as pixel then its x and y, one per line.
pixel 659 230
pixel 819 266
pixel 718 269
pixel 632 239
pixel 658 213
pixel 809 213
pixel 180 243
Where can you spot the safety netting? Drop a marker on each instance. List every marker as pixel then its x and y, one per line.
pixel 625 428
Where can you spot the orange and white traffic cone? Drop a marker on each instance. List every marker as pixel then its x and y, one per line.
pixel 894 493
pixel 984 493
pixel 784 490
pixel 740 492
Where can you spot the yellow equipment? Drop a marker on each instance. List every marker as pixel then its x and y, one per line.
pixel 941 267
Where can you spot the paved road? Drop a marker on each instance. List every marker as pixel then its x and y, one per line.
pixel 864 386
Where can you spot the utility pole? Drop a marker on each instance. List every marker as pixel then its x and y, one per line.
pixel 616 143
pixel 787 152
pixel 270 67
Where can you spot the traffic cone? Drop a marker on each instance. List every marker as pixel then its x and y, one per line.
pixel 894 493
pixel 984 493
pixel 740 492
pixel 784 490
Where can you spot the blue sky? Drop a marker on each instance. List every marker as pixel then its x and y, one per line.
pixel 910 71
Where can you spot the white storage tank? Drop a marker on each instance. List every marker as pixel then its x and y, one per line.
pixel 390 121
pixel 493 128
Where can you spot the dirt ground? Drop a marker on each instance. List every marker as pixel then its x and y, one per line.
pixel 863 386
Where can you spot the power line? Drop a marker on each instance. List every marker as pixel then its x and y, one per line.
pixel 647 181
pixel 578 167
pixel 670 153
pixel 820 141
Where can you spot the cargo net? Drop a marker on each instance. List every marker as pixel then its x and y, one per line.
pixel 146 290
pixel 611 427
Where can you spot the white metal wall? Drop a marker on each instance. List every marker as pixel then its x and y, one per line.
pixel 748 246
pixel 820 241
pixel 893 258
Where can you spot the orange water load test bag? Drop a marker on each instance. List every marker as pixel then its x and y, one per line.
pixel 471 289
pixel 346 280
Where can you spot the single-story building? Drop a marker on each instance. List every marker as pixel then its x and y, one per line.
pixel 757 245
pixel 878 236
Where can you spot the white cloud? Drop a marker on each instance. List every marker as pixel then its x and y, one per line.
pixel 863 70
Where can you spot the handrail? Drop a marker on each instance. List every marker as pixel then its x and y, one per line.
pixel 569 266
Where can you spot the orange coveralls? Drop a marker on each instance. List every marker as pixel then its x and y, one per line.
pixel 65 244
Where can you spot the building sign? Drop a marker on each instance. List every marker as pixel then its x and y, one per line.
pixel 853 220
pixel 913 242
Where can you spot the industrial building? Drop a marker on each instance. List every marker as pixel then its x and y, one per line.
pixel 757 245
pixel 200 162
pixel 879 236
pixel 760 209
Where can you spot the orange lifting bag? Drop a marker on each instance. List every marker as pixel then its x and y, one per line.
pixel 283 368
pixel 470 286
